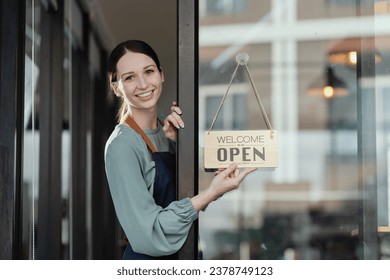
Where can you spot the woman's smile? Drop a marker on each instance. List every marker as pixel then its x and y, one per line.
pixel 145 94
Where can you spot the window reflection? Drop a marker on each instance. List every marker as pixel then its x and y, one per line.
pixel 225 7
pixel 32 131
pixel 312 205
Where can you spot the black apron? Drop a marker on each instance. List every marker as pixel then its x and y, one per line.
pixel 164 187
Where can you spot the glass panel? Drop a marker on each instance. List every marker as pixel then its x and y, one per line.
pixel 212 103
pixel 70 12
pixel 31 130
pixel 321 80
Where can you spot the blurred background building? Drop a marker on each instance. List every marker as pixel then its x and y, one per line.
pixel 321 67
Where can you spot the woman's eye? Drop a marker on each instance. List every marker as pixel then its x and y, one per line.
pixel 149 71
pixel 129 78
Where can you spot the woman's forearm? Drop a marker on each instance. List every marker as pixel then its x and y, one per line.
pixel 202 200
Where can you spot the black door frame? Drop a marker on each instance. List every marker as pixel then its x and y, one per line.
pixel 187 85
pixel 12 37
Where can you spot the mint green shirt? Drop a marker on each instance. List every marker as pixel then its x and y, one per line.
pixel 130 170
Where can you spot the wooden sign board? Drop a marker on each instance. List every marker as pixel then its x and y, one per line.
pixel 248 148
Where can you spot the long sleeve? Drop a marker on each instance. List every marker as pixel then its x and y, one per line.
pixel 150 229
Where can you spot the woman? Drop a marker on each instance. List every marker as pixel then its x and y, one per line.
pixel 140 164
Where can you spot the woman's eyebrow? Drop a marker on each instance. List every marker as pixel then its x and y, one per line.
pixel 131 72
pixel 151 65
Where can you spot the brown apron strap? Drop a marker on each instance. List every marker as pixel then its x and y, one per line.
pixel 131 122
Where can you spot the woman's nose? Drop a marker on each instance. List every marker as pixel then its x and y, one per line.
pixel 142 81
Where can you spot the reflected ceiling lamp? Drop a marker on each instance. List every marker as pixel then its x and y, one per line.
pixel 346 52
pixel 328 85
pixel 349 58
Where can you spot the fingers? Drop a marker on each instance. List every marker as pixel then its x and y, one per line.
pixel 228 179
pixel 219 171
pixel 175 108
pixel 231 168
pixel 245 172
pixel 166 126
pixel 232 172
pixel 174 118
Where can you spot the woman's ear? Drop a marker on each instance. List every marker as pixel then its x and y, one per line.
pixel 114 85
pixel 115 89
pixel 162 76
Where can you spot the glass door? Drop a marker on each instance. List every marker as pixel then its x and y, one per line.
pixel 322 71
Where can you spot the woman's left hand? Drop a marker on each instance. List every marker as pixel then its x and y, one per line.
pixel 173 122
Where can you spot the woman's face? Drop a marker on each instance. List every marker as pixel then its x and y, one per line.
pixel 139 80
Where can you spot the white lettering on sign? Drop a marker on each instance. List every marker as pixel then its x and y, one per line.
pixel 248 148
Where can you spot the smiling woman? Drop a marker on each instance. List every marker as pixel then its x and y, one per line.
pixel 136 77
pixel 140 160
pixel 141 86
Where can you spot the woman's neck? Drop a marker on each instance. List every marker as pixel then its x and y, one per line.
pixel 146 119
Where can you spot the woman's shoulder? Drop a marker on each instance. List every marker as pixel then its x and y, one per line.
pixel 122 136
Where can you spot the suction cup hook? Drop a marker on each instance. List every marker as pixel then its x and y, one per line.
pixel 242 58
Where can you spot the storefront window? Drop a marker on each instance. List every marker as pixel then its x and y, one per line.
pixel 31 131
pixel 38 211
pixel 322 71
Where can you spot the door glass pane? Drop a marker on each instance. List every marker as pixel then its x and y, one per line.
pixel 324 84
pixel 34 70
pixel 31 130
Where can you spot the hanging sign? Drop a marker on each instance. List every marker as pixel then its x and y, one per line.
pixel 247 148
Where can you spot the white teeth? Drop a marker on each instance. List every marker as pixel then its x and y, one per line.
pixel 144 94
